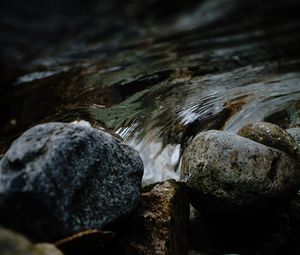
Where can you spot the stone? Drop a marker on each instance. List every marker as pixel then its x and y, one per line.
pixel 295 133
pixel 227 174
pixel 67 178
pixel 85 242
pixel 14 244
pixel 158 227
pixel 46 249
pixel 270 135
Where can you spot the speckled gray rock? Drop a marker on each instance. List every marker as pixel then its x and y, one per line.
pixel 15 244
pixel 58 179
pixel 228 173
pixel 270 135
pixel 295 133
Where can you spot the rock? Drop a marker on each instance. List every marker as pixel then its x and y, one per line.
pixel 281 118
pixel 295 133
pixel 85 242
pixel 47 249
pixel 15 244
pixel 270 135
pixel 227 173
pixel 158 227
pixel 66 178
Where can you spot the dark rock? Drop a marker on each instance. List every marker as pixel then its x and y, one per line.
pixel 270 135
pixel 158 227
pixel 85 242
pixel 67 178
pixel 227 173
pixel 281 118
pixel 15 244
pixel 295 133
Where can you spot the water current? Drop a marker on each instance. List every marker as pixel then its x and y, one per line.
pixel 218 65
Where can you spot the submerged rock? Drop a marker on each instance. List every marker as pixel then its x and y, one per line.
pixel 270 135
pixel 227 173
pixel 15 244
pixel 66 178
pixel 158 227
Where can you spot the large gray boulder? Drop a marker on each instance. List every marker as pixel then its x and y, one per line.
pixel 58 179
pixel 227 173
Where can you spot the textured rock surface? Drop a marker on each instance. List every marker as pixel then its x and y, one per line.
pixel 15 244
pixel 158 227
pixel 295 133
pixel 66 178
pixel 231 173
pixel 270 135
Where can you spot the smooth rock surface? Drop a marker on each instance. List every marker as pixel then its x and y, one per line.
pixel 66 178
pixel 158 227
pixel 270 135
pixel 227 173
pixel 15 244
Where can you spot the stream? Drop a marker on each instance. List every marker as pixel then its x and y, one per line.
pixel 155 80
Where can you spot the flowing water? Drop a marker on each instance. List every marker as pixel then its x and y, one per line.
pixel 161 132
pixel 218 65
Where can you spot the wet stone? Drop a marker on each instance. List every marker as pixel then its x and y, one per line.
pixel 295 133
pixel 67 178
pixel 270 135
pixel 228 174
pixel 158 227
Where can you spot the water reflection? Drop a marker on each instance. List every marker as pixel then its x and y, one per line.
pixel 159 82
pixel 163 126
